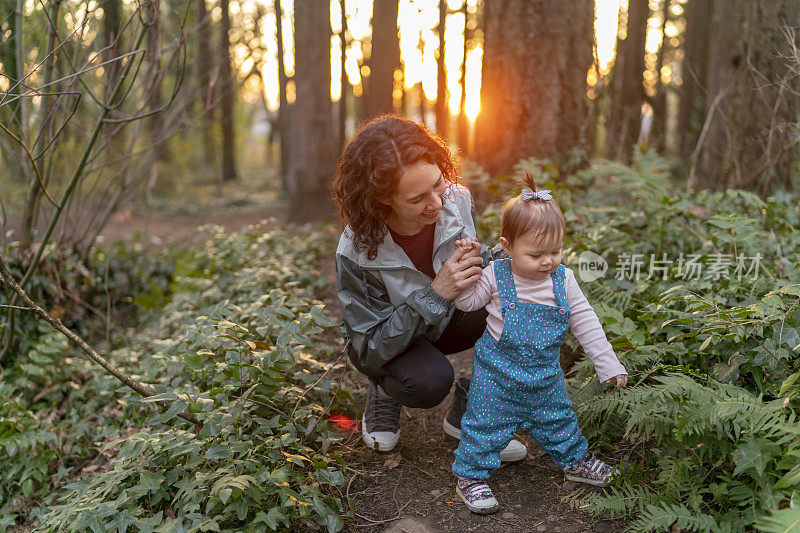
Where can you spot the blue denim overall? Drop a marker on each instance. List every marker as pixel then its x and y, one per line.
pixel 517 383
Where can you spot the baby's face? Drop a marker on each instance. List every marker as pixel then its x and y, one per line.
pixel 531 257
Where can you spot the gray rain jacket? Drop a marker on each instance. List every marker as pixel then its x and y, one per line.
pixel 387 303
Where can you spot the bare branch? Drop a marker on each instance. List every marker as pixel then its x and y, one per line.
pixel 8 279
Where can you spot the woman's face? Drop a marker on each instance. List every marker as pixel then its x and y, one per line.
pixel 417 201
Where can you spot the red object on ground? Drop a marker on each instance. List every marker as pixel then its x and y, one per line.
pixel 343 422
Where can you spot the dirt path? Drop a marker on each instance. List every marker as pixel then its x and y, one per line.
pixel 411 489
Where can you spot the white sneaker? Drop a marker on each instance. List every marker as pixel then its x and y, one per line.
pixel 477 496
pixel 380 424
pixel 514 451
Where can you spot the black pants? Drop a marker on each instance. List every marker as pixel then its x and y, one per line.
pixel 422 376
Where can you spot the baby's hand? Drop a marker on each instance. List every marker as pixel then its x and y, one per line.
pixel 622 380
pixel 469 244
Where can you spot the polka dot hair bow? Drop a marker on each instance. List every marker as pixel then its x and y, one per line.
pixel 528 195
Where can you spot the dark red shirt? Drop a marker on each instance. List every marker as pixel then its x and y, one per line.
pixel 418 248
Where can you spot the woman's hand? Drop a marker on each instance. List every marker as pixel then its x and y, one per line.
pixel 622 380
pixel 460 271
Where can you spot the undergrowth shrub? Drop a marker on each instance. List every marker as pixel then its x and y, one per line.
pixel 238 338
pixel 706 432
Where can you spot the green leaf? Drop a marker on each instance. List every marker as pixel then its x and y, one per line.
pixel 793 289
pixel 272 518
pixel 7 520
pixel 150 480
pixel 164 396
pixel 752 456
pixel 220 451
pixel 781 521
pixel 791 478
pixel 325 321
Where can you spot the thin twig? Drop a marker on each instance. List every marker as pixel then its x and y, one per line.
pixel 15 307
pixel 88 350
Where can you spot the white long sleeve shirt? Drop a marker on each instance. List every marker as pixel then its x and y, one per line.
pixel 583 321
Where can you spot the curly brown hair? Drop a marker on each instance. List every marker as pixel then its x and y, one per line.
pixel 370 167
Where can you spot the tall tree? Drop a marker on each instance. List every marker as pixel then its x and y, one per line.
pixel 533 81
pixel 442 113
pixel 463 126
pixel 205 66
pixel 312 155
pixel 154 81
pixel 753 96
pixel 659 102
pixel 112 22
pixel 627 89
pixel 8 56
pixel 227 94
pixel 384 58
pixel 694 74
pixel 342 74
pixel 284 124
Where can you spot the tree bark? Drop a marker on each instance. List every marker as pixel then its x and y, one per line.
pixel 343 76
pixel 228 93
pixel 8 55
pixel 533 81
pixel 112 22
pixel 749 142
pixel 694 75
pixel 659 130
pixel 625 118
pixel 463 126
pixel 205 66
pixel 384 59
pixel 284 124
pixel 155 81
pixel 442 113
pixel 312 155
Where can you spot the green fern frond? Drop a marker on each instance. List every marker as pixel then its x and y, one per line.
pixel 781 521
pixel 616 501
pixel 665 516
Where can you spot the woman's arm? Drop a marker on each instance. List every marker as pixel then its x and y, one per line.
pixel 378 331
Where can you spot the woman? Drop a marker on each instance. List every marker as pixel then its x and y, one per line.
pixel 398 272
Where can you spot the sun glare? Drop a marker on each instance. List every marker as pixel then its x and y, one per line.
pixel 419 47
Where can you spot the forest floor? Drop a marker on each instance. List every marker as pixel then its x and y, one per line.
pixel 411 489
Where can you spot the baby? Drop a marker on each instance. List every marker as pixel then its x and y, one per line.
pixel 517 381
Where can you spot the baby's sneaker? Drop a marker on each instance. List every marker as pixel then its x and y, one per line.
pixel 477 495
pixel 590 470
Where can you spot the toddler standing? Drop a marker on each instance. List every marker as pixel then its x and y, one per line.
pixel 517 381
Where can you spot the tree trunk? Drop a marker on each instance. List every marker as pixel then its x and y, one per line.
pixel 442 113
pixel 228 93
pixel 463 126
pixel 659 130
pixel 8 56
pixel 343 76
pixel 384 58
pixel 112 21
pixel 423 107
pixel 694 75
pixel 205 65
pixel 533 81
pixel 312 155
pixel 625 118
pixel 284 124
pixel 155 81
pixel 750 141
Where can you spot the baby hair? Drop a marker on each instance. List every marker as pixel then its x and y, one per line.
pixel 542 217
